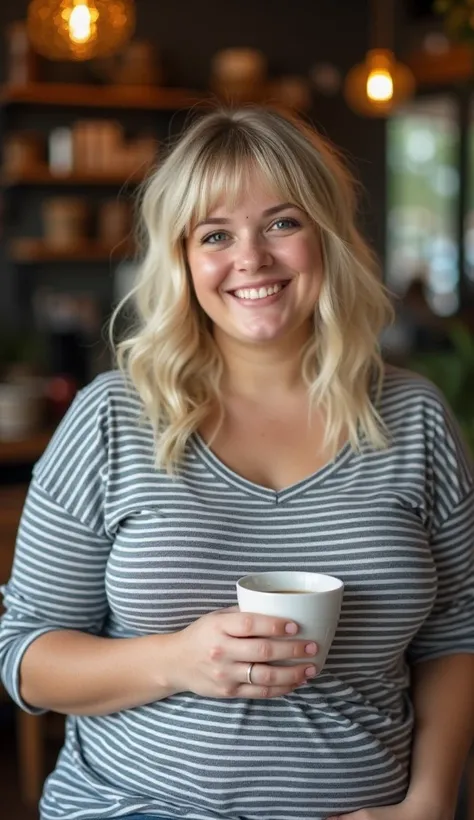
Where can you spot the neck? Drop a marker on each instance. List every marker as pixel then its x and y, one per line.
pixel 262 371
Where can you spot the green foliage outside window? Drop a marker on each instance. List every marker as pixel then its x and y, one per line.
pixel 453 373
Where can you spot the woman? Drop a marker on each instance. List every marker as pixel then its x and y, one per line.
pixel 253 426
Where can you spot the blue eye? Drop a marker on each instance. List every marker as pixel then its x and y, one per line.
pixel 285 223
pixel 214 238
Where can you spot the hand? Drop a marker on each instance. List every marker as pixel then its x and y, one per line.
pixel 211 656
pixel 406 810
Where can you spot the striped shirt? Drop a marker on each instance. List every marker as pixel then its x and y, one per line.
pixel 110 545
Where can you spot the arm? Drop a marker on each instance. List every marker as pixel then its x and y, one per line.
pixel 80 674
pixel 441 657
pixel 443 697
pixel 52 655
pixel 443 666
pixel 444 716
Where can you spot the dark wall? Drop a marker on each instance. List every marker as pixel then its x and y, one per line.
pixel 293 35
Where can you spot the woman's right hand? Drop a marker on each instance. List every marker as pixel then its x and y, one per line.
pixel 211 656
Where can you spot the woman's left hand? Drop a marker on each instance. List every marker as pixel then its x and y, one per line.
pixel 407 810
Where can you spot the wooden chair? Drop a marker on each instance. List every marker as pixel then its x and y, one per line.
pixel 29 728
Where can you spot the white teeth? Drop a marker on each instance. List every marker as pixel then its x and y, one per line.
pixel 253 293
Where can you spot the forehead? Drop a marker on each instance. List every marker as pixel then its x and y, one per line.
pixel 249 201
pixel 234 189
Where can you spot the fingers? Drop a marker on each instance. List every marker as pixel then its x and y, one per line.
pixel 287 677
pixel 248 625
pixel 266 650
pixel 263 692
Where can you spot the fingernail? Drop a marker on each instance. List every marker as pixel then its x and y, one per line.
pixel 292 629
pixel 310 648
pixel 310 671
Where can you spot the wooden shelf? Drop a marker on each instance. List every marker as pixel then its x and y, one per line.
pixel 29 250
pixel 24 450
pixel 43 176
pixel 106 96
pixel 451 66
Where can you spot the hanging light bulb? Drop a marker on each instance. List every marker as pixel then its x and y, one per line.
pixel 379 84
pixel 81 20
pixel 79 29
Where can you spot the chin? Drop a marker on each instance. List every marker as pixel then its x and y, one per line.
pixel 262 336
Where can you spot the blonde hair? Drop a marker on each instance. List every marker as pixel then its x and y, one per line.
pixel 171 357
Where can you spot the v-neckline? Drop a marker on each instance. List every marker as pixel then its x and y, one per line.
pixel 222 471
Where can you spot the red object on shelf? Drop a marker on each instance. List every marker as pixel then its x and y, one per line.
pixel 60 392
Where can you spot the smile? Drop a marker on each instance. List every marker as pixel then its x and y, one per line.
pixel 254 294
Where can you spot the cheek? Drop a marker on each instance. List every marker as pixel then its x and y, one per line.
pixel 303 256
pixel 207 272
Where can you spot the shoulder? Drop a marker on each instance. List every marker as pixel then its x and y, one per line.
pixel 404 385
pixel 111 387
pixel 420 421
pixel 408 398
pixel 102 405
pixel 84 435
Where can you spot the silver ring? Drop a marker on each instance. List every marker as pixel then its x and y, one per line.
pixel 249 673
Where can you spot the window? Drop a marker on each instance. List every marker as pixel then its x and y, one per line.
pixel 423 155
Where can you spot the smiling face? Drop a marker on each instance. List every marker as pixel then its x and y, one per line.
pixel 257 267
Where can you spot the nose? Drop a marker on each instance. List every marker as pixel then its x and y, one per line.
pixel 251 255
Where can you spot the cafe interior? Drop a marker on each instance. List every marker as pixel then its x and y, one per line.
pixel 83 113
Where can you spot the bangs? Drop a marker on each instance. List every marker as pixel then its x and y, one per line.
pixel 224 173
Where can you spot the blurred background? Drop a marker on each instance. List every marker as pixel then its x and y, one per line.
pixel 89 91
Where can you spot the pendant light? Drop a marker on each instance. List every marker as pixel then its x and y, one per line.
pixel 79 29
pixel 377 86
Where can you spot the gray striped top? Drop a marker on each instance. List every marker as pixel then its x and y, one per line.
pixel 111 546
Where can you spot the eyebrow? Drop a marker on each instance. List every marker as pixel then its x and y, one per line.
pixel 216 220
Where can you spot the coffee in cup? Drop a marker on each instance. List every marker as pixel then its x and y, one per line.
pixel 310 599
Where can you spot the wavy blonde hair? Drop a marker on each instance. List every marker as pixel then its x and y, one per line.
pixel 171 356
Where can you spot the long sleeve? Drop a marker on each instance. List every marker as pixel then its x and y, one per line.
pixel 58 575
pixel 449 629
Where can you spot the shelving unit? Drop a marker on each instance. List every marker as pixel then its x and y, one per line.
pixel 83 96
pixel 29 251
pixel 25 450
pixel 32 261
pixel 106 96
pixel 41 175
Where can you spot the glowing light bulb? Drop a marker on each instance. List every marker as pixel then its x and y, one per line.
pixel 380 85
pixel 79 29
pixel 80 24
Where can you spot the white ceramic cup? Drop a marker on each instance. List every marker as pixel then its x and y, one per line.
pixel 313 602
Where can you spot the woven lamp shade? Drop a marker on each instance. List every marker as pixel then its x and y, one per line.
pixel 79 29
